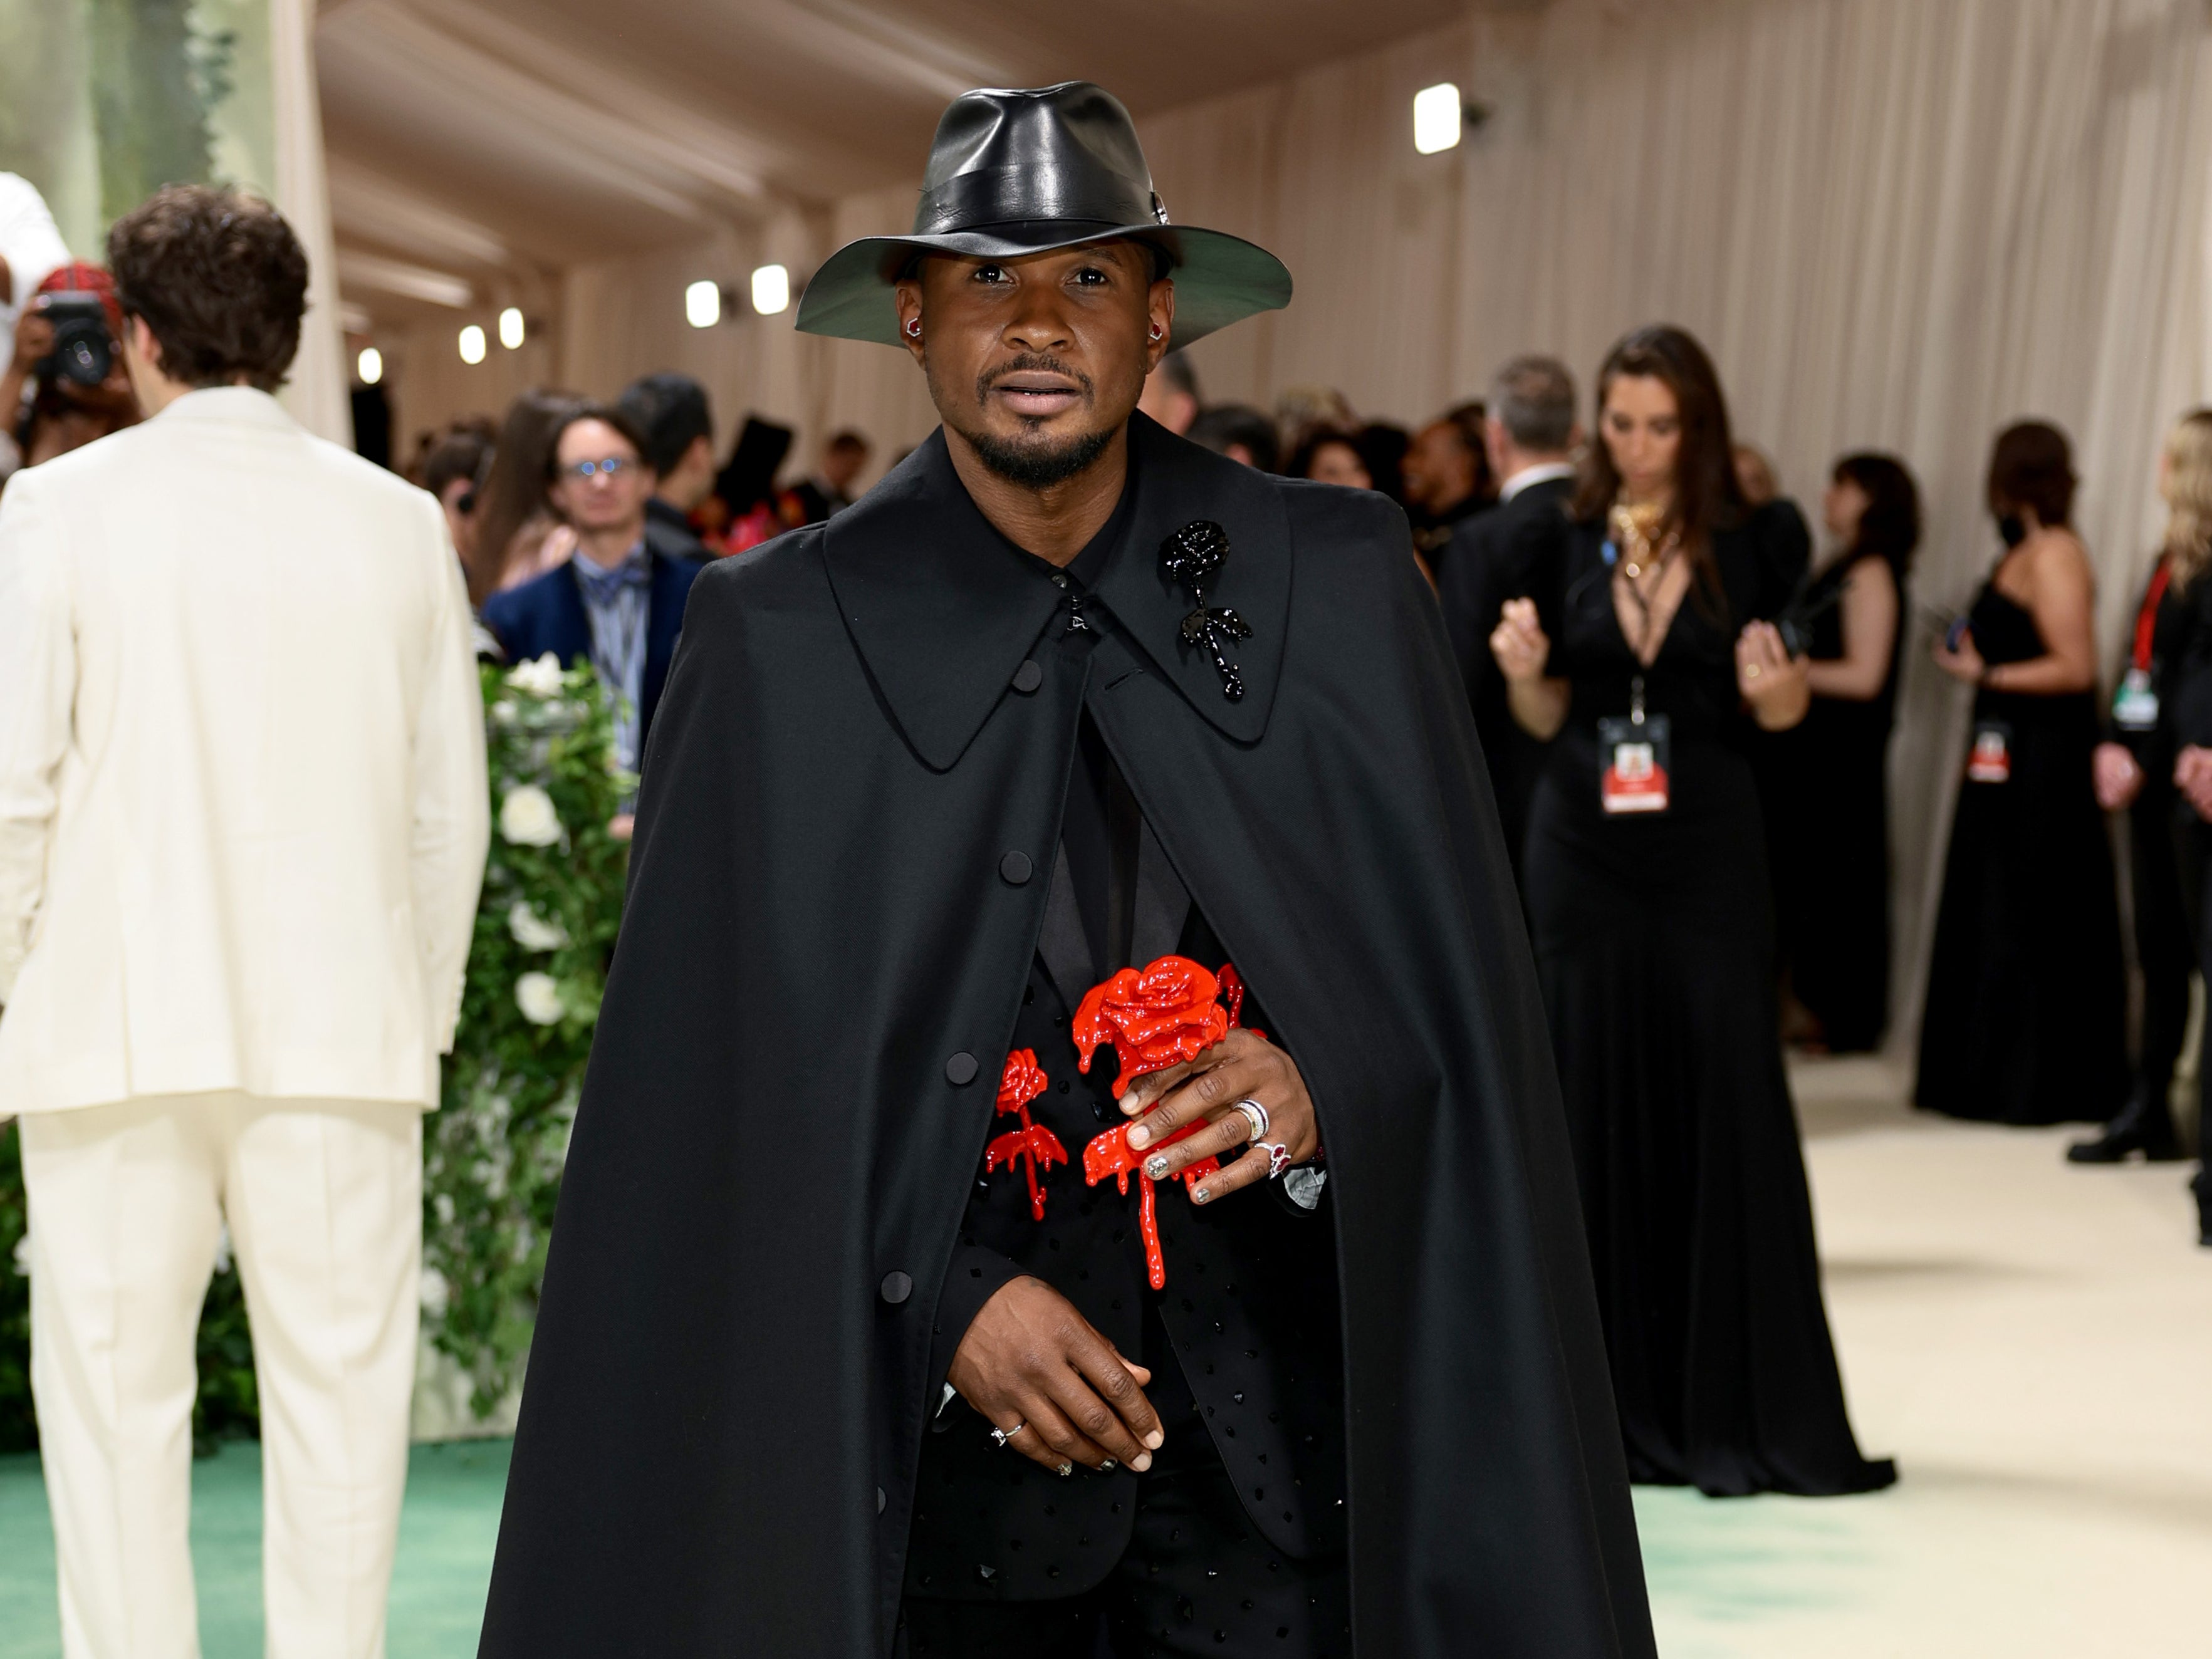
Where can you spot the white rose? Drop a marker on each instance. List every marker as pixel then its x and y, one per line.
pixel 532 931
pixel 23 1254
pixel 526 818
pixel 504 712
pixel 434 1293
pixel 539 678
pixel 539 999
pixel 443 1203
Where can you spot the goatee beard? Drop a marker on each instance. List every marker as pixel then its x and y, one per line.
pixel 1037 463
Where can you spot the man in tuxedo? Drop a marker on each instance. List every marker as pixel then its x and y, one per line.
pixel 619 604
pixel 1530 436
pixel 673 417
pixel 243 817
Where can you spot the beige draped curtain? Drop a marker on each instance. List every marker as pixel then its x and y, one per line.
pixel 1897 223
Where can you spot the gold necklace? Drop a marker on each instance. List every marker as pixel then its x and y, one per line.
pixel 1634 529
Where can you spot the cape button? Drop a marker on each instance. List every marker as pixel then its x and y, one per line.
pixel 896 1287
pixel 960 1070
pixel 1028 678
pixel 880 1500
pixel 1014 869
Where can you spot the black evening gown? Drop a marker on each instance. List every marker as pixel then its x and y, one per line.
pixel 1655 947
pixel 1830 839
pixel 2026 1016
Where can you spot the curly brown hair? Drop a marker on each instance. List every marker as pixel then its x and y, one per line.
pixel 218 277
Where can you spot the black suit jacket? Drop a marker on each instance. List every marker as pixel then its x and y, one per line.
pixel 1496 556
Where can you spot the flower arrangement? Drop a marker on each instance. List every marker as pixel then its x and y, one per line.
pixel 545 930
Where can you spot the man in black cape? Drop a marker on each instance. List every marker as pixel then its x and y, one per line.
pixel 840 1355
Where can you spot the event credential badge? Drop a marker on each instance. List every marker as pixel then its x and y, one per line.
pixel 1634 755
pixel 1990 761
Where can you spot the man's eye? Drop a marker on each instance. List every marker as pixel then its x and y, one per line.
pixel 1091 275
pixel 990 273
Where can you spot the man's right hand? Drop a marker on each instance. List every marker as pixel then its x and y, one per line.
pixel 1030 1360
pixel 2193 775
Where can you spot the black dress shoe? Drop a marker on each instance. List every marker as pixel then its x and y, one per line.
pixel 2143 1125
pixel 2202 1188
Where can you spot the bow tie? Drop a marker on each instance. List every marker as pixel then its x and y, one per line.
pixel 604 587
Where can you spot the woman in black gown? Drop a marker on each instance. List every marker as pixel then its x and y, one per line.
pixel 2025 1020
pixel 1649 905
pixel 2134 769
pixel 1829 776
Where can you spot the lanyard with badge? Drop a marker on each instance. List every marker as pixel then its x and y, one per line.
pixel 1635 754
pixel 2135 705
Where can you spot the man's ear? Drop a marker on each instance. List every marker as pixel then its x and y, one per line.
pixel 907 297
pixel 1159 305
pixel 700 450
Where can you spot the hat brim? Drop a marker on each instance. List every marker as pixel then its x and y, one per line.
pixel 1219 279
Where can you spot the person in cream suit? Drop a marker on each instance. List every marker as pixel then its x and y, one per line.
pixel 243 821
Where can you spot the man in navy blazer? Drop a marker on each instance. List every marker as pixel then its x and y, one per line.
pixel 619 604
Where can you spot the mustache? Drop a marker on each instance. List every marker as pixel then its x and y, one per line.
pixel 1030 362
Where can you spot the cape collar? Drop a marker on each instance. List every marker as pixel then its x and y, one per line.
pixel 943 609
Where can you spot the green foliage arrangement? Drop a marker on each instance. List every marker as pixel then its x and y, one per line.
pixel 546 931
pixel 493 1153
pixel 19 1430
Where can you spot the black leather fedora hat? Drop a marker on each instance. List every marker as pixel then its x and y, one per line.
pixel 1016 173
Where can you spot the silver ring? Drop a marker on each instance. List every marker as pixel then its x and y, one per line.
pixel 1255 1114
pixel 1279 1158
pixel 1002 1436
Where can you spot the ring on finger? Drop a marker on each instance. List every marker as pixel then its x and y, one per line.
pixel 1279 1158
pixel 1256 1114
pixel 1002 1436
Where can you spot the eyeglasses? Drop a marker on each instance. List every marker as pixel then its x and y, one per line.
pixel 613 467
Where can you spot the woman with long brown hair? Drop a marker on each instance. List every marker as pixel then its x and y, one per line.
pixel 518 535
pixel 2133 771
pixel 2025 1015
pixel 1828 828
pixel 1649 655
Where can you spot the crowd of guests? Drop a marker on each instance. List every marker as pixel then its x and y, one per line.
pixel 1685 710
pixel 1588 582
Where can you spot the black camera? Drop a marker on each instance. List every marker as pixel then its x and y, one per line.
pixel 84 350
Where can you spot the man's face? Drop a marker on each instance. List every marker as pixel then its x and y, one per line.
pixel 1439 472
pixel 599 483
pixel 1038 361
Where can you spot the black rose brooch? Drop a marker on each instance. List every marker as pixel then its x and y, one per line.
pixel 1188 558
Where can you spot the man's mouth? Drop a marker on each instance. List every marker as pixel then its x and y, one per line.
pixel 1037 397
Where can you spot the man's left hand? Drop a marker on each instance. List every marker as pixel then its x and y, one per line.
pixel 1242 1065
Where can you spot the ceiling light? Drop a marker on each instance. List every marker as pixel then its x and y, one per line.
pixel 702 304
pixel 771 290
pixel 510 328
pixel 472 344
pixel 1436 118
pixel 370 364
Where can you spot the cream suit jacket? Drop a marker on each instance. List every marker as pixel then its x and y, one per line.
pixel 243 813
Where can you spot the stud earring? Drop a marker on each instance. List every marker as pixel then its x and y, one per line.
pixel 1156 330
pixel 913 328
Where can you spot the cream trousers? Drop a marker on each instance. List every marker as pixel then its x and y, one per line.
pixel 323 1202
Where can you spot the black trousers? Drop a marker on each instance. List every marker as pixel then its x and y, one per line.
pixel 2163 846
pixel 1197 1578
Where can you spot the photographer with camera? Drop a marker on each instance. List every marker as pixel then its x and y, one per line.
pixel 30 247
pixel 65 350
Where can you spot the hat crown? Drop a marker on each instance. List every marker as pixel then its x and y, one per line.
pixel 1060 154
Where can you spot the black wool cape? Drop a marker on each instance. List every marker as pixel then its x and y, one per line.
pixel 820 961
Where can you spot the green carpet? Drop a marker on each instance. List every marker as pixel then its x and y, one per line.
pixel 1718 1571
pixel 445 1536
